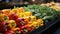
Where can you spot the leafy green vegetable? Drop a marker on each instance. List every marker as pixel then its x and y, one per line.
pixel 43 12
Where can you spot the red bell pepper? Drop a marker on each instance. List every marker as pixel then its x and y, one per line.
pixel 9 32
pixel 2 27
pixel 23 29
pixel 13 17
pixel 21 22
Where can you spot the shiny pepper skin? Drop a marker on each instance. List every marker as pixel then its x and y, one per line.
pixel 6 18
pixel 3 27
pixel 9 32
pixel 13 17
pixel 40 21
pixel 21 21
pixel 6 12
pixel 23 29
pixel 1 17
pixel 12 23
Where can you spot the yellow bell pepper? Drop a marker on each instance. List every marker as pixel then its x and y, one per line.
pixel 32 18
pixel 27 14
pixel 20 15
pixel 1 17
pixel 40 21
pixel 36 24
pixel 12 23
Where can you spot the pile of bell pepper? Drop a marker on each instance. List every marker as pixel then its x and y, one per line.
pixel 18 21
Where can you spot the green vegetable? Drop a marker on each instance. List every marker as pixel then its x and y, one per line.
pixel 43 12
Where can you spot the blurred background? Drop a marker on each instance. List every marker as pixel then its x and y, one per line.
pixel 10 3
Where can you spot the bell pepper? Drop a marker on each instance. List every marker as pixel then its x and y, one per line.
pixel 16 10
pixel 7 26
pixel 40 21
pixel 1 17
pixel 21 9
pixel 6 18
pixel 32 18
pixel 12 23
pixel 9 32
pixel 30 27
pixel 23 29
pixel 6 12
pixel 27 14
pixel 14 29
pixel 3 27
pixel 17 32
pixel 21 14
pixel 13 17
pixel 26 18
pixel 35 24
pixel 22 32
pixel 21 21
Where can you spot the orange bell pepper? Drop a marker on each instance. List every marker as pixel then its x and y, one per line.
pixel 14 29
pixel 21 9
pixel 30 26
pixel 13 11
pixel 6 12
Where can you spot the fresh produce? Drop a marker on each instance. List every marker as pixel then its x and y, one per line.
pixel 43 12
pixel 21 21
pixel 12 23
pixel 18 21
pixel 1 17
pixel 17 31
pixel 9 32
pixel 2 27
pixel 13 16
pixel 6 12
pixel 6 18
pixel 25 19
